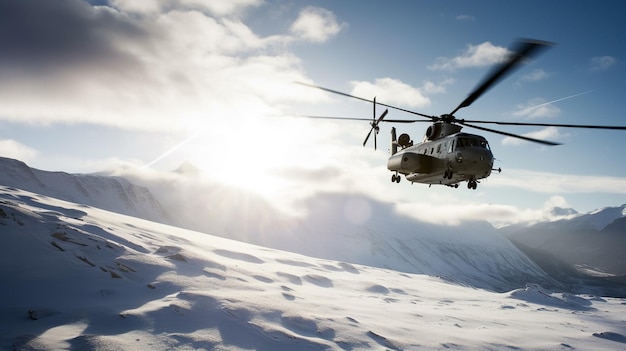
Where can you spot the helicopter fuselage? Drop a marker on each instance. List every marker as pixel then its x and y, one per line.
pixel 448 160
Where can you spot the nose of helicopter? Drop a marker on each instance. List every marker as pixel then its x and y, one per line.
pixel 477 161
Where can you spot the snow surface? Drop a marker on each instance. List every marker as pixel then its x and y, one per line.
pixel 80 278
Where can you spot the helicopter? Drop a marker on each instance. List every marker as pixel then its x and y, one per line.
pixel 447 156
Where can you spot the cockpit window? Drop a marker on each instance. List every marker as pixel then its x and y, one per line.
pixel 473 142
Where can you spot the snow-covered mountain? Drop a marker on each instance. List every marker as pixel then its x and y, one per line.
pixel 473 253
pixel 594 240
pixel 349 228
pixel 81 278
pixel 110 193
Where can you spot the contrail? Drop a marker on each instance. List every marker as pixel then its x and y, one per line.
pixel 557 100
pixel 172 149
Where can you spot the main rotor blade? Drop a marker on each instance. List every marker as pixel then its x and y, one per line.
pixel 337 118
pixel 589 126
pixel 432 118
pixel 368 136
pixel 524 49
pixel 366 119
pixel 544 142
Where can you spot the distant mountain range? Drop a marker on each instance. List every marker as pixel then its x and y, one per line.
pixel 474 254
pixel 594 242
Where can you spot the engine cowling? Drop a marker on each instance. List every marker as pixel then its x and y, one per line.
pixel 433 131
pixel 440 129
pixel 410 162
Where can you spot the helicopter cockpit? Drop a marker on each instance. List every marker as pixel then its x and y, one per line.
pixel 471 141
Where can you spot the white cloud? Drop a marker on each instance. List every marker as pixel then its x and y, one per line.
pixel 468 18
pixel 602 63
pixel 171 71
pixel 556 201
pixel 536 108
pixel 548 133
pixel 315 24
pixel 551 183
pixel 456 212
pixel 13 149
pixel 437 88
pixel 219 8
pixel 391 91
pixel 535 76
pixel 480 55
pixel 152 7
pixel 139 7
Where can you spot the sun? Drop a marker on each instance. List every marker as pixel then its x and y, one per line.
pixel 254 153
pixel 250 169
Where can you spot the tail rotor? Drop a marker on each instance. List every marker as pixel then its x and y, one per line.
pixel 374 123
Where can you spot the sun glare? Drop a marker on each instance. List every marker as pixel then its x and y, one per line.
pixel 253 154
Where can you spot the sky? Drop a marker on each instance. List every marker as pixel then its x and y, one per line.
pixel 145 86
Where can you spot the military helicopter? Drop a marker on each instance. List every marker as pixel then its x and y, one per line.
pixel 446 155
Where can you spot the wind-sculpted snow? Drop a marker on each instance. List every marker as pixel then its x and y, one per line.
pixel 80 278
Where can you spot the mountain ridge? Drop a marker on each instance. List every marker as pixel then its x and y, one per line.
pixel 593 240
pixel 111 193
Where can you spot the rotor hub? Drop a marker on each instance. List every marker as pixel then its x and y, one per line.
pixel 447 118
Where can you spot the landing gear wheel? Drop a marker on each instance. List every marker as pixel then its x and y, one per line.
pixel 472 184
pixel 395 178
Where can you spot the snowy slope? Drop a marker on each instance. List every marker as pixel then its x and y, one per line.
pixel 593 240
pixel 78 278
pixel 110 193
pixel 473 253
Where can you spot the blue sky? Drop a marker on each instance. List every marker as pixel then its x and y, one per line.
pixel 146 86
